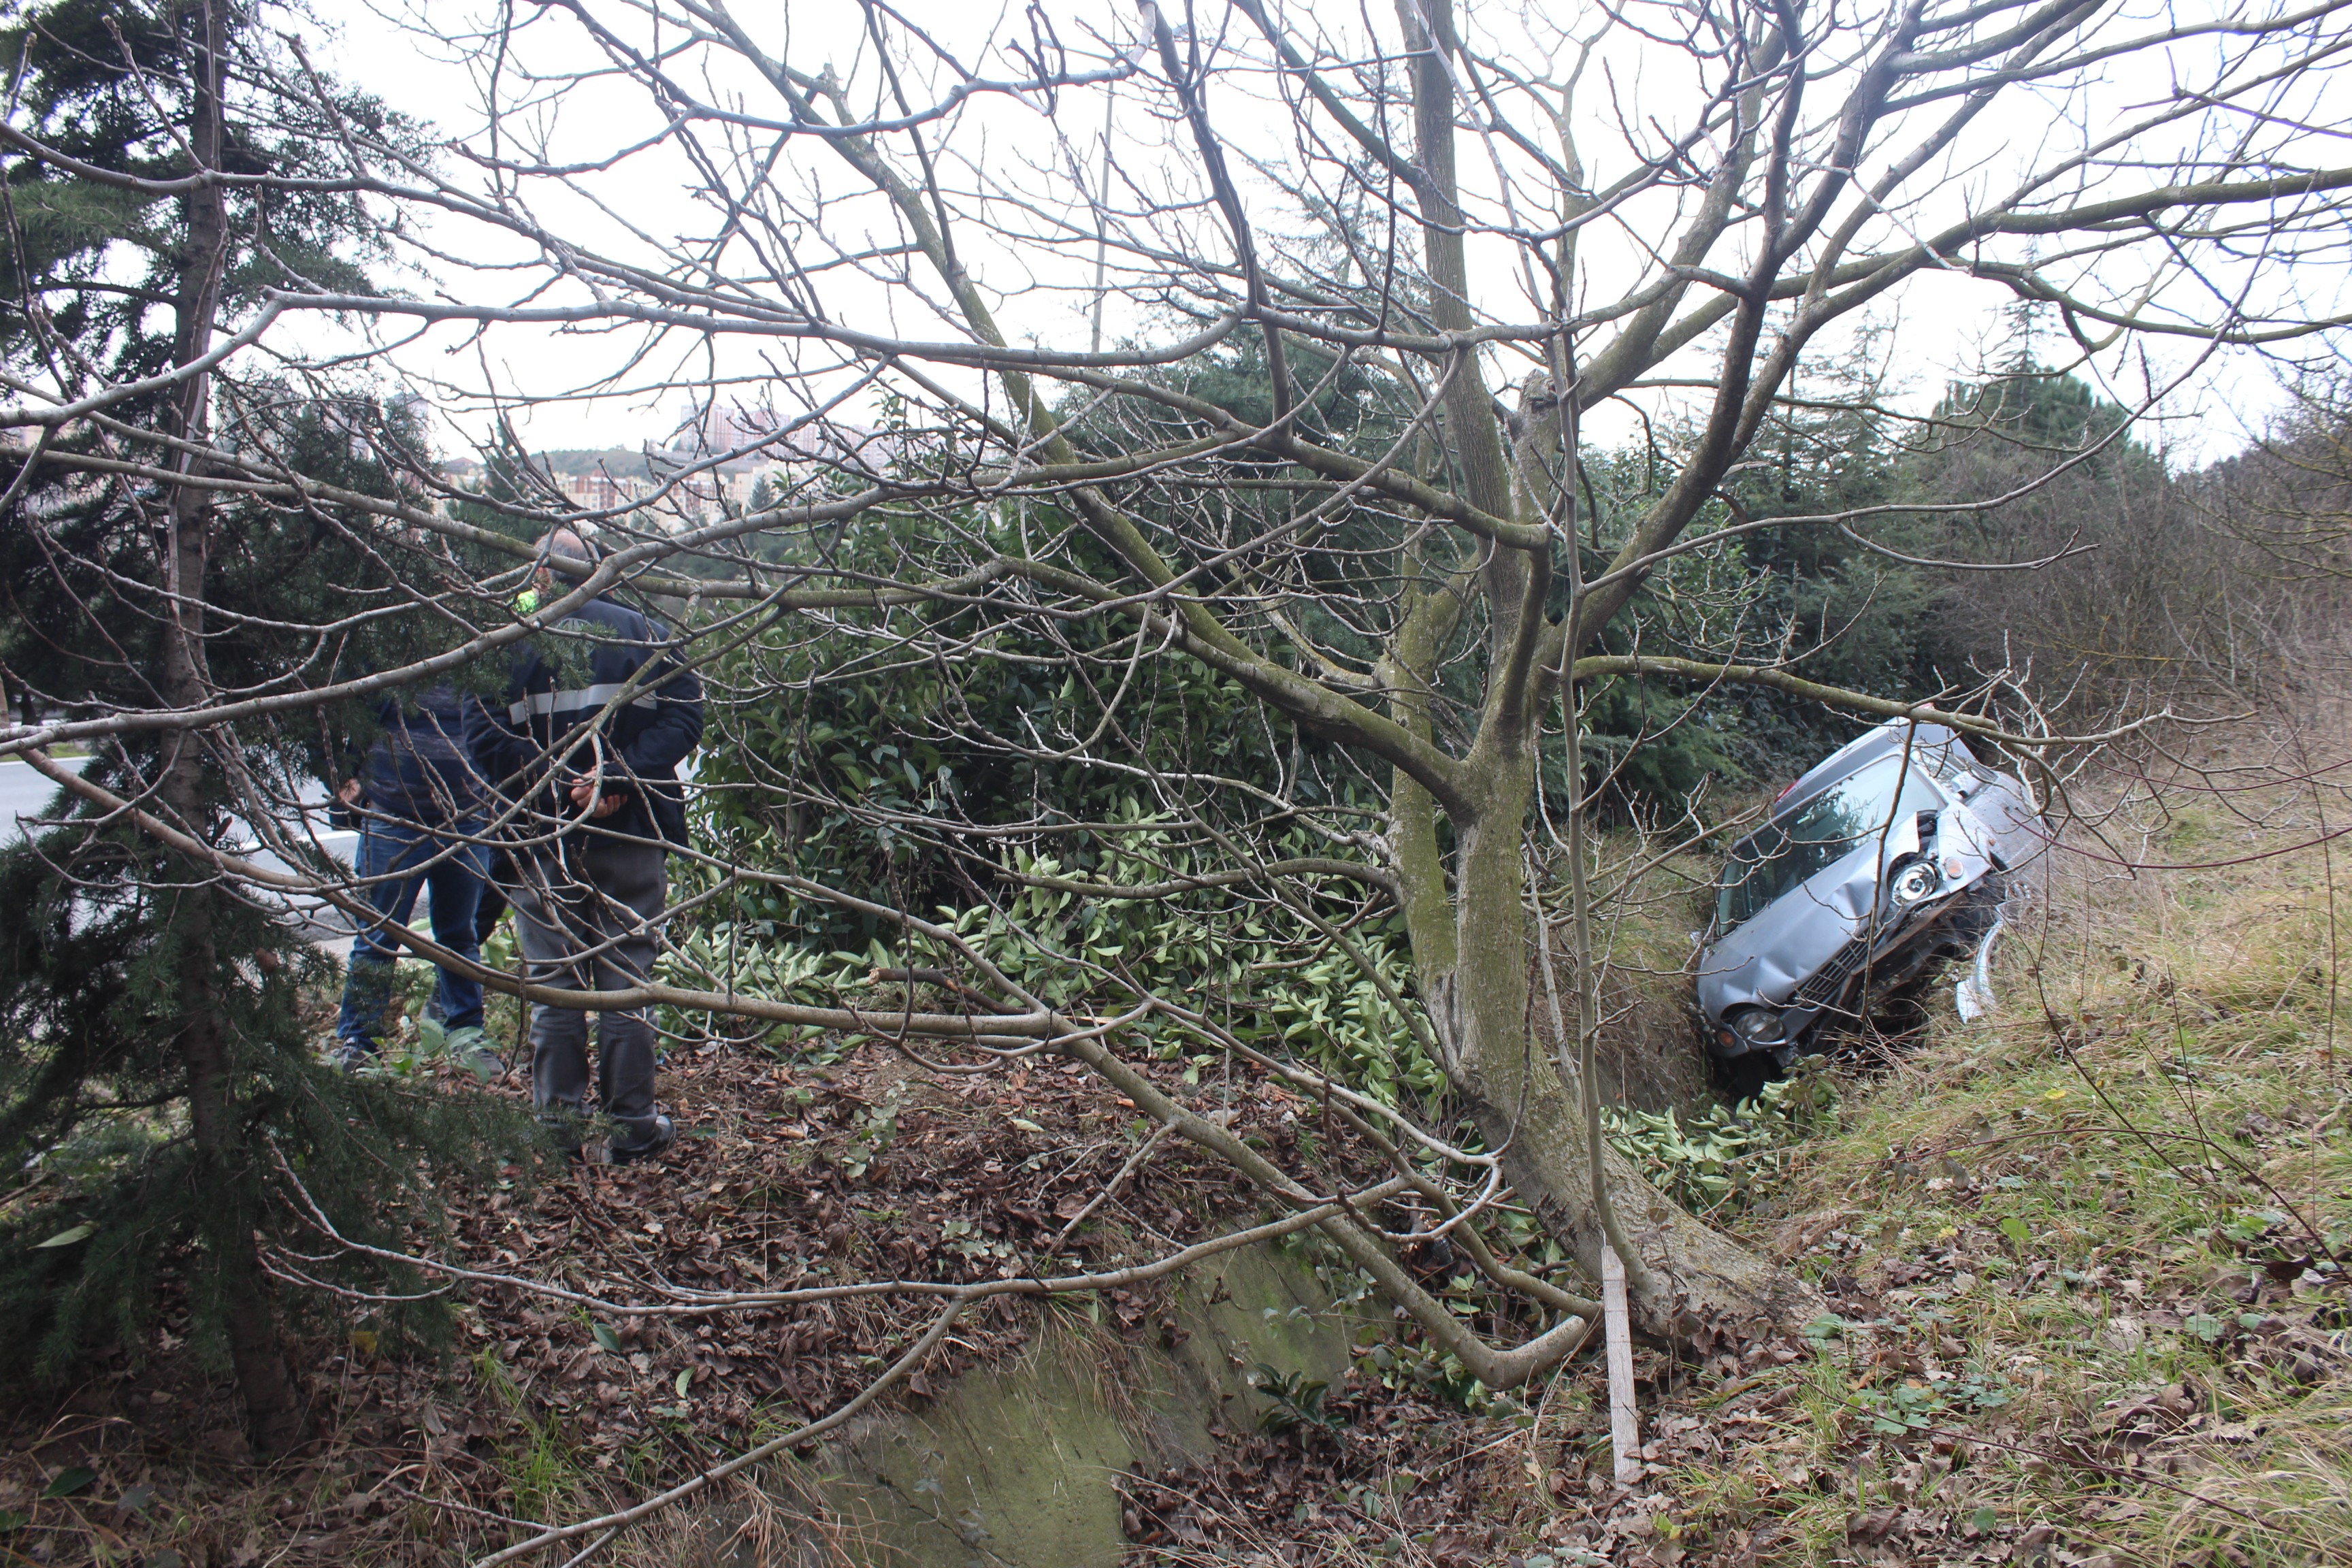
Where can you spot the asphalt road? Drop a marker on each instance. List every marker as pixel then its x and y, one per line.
pixel 23 793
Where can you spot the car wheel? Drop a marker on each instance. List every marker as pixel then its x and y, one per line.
pixel 1744 1076
pixel 1980 910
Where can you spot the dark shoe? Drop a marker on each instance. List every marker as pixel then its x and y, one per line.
pixel 664 1135
pixel 354 1060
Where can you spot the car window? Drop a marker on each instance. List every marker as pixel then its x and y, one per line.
pixel 1778 858
pixel 1952 763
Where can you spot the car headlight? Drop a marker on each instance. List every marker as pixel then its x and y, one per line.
pixel 1915 881
pixel 1758 1028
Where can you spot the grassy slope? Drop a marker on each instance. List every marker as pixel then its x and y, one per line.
pixel 2082 1235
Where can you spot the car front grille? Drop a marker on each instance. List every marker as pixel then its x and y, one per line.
pixel 1828 982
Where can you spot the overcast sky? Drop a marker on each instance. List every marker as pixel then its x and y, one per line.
pixel 1939 328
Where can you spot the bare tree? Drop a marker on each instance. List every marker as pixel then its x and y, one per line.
pixel 1373 282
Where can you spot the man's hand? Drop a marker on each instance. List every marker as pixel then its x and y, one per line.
pixel 598 807
pixel 348 793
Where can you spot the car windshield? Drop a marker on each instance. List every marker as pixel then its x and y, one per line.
pixel 1781 856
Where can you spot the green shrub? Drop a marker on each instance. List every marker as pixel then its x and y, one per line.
pixel 1727 1156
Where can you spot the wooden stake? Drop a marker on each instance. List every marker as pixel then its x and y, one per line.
pixel 1624 1426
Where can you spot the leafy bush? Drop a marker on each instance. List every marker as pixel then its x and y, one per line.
pixel 1296 1401
pixel 1082 954
pixel 1727 1155
pixel 753 958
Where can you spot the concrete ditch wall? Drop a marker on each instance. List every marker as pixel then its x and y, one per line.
pixel 1015 1465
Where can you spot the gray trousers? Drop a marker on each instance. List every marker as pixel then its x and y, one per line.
pixel 584 918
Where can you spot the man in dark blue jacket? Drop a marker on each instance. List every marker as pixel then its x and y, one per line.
pixel 581 754
pixel 422 829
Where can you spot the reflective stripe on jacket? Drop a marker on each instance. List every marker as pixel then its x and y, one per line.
pixel 565 708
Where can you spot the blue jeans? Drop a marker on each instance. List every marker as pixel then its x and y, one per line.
pixel 456 881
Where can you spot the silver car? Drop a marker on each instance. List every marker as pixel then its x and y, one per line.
pixel 1895 850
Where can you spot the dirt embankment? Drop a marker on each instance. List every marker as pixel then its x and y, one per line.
pixel 788 1175
pixel 2084 1260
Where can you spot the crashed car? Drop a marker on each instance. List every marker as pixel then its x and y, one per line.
pixel 1891 853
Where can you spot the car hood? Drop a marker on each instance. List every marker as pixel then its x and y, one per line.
pixel 1771 953
pixel 2002 814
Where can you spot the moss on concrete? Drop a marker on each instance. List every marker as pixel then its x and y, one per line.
pixel 1017 1464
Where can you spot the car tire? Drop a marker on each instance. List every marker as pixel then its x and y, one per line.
pixel 1744 1076
pixel 1980 910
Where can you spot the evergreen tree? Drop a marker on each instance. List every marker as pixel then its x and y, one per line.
pixel 1856 617
pixel 511 478
pixel 152 1061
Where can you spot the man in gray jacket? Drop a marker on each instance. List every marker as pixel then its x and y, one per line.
pixel 598 713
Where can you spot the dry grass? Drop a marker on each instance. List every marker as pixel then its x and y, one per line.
pixel 2088 1246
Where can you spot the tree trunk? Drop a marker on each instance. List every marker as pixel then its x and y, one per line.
pixel 273 1412
pixel 1695 1277
pixel 1685 1276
